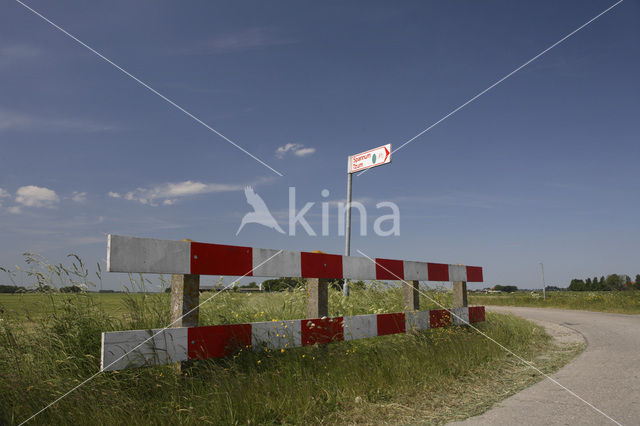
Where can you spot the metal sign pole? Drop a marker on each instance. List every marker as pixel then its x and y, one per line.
pixel 347 245
pixel 544 292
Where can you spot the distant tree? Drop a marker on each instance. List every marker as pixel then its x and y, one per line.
pixel 554 288
pixel 637 283
pixel 588 285
pixel 505 288
pixel 280 284
pixel 614 282
pixel 577 285
pixel 11 289
pixel 71 289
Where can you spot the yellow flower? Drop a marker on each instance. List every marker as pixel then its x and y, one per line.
pixel 281 350
pixel 303 355
pixel 259 361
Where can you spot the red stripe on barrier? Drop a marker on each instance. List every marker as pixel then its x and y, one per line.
pixel 476 314
pixel 321 330
pixel 217 259
pixel 390 323
pixel 320 265
pixel 216 341
pixel 474 274
pixel 439 318
pixel 437 272
pixel 387 269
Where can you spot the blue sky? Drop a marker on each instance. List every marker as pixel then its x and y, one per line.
pixel 545 167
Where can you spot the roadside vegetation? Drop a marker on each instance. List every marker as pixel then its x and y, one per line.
pixel 623 302
pixel 50 342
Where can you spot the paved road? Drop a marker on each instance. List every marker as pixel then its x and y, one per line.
pixel 607 374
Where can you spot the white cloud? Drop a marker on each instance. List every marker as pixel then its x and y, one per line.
pixel 168 192
pixel 14 210
pixel 295 148
pixel 36 196
pixel 114 194
pixel 304 152
pixel 79 197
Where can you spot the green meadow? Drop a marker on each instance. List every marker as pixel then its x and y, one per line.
pixel 623 302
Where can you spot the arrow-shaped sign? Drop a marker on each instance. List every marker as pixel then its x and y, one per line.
pixel 372 158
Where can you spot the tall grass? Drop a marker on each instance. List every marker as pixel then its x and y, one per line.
pixel 625 302
pixel 392 378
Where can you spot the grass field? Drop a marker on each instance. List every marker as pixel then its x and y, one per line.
pixel 624 302
pixel 50 343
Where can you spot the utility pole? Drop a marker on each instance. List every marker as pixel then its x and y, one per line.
pixel 544 287
pixel 347 245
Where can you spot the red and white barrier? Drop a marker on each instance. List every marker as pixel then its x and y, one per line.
pixel 128 349
pixel 145 255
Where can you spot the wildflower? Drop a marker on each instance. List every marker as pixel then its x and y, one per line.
pixel 282 350
pixel 259 361
pixel 303 355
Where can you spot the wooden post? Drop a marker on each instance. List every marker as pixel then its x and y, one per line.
pixel 317 298
pixel 185 295
pixel 411 296
pixel 185 299
pixel 459 294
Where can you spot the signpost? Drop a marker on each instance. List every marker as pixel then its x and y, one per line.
pixel 356 163
pixel 372 158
